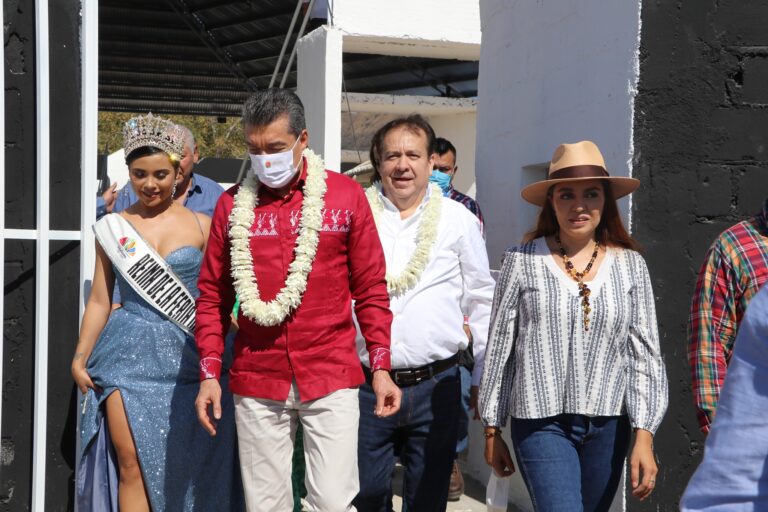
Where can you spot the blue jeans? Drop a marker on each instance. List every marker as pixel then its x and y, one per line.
pixel 571 462
pixel 422 434
pixel 465 414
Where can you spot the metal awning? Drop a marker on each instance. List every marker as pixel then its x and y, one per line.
pixel 205 56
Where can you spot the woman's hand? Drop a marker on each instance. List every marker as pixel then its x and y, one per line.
pixel 80 374
pixel 643 465
pixel 498 457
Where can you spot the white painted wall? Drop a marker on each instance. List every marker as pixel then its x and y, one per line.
pixel 448 28
pixel 117 171
pixel 550 72
pixel 319 87
pixel 461 130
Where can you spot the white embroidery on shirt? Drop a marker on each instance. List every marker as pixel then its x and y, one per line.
pixel 335 220
pixel 265 225
pixel 206 367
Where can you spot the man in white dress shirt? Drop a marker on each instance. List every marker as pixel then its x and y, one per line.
pixel 437 272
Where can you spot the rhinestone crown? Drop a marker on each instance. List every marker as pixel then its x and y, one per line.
pixel 153 131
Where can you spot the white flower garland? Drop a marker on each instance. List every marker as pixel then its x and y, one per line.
pixel 426 234
pixel 241 220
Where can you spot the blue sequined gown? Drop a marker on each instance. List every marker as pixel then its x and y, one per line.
pixel 154 365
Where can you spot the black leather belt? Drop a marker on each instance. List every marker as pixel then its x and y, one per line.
pixel 412 376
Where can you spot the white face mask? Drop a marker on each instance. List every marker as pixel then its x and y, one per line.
pixel 275 170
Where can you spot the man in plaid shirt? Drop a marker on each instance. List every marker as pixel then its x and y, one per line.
pixel 735 268
pixel 445 165
pixel 444 171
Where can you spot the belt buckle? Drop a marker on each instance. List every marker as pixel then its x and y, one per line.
pixel 401 373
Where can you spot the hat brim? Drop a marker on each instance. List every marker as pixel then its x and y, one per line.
pixel 536 193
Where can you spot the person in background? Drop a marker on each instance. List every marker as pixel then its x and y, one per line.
pixel 444 171
pixel 732 475
pixel 573 353
pixel 437 272
pixel 106 201
pixel 735 268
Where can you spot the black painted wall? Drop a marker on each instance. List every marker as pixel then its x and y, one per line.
pixel 701 143
pixel 19 286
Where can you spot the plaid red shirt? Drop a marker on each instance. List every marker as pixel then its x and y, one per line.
pixel 735 267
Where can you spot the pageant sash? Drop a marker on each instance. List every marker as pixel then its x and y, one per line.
pixel 148 274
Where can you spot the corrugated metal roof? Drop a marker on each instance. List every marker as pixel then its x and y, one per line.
pixel 204 56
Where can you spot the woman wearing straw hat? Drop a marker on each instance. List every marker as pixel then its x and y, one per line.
pixel 573 349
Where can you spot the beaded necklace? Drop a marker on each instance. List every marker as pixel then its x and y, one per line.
pixel 584 291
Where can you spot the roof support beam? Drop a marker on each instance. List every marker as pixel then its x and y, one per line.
pixel 180 6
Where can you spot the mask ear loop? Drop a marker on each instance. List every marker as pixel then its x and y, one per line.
pixel 296 167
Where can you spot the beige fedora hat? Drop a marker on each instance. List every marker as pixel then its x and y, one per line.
pixel 580 161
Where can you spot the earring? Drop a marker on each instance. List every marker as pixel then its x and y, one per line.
pixel 173 191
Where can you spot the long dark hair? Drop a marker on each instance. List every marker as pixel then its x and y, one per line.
pixel 610 232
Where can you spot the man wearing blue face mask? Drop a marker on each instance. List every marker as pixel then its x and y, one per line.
pixel 443 173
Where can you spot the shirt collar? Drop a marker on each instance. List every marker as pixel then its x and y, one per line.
pixel 195 188
pixel 390 206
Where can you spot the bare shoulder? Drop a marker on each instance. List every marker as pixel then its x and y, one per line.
pixel 205 221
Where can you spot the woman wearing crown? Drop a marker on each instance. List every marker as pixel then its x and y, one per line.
pixel 137 368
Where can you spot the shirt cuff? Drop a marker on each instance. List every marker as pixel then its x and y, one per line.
pixel 704 421
pixel 210 368
pixel 380 359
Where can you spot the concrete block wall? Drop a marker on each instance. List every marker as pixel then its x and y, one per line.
pixel 701 151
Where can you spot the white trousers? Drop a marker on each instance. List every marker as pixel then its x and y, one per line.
pixel 265 434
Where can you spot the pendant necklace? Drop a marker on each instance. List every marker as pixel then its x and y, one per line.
pixel 584 291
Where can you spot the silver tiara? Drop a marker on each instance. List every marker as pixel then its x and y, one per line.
pixel 153 131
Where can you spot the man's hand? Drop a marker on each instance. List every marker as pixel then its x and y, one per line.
pixel 498 457
pixel 109 197
pixel 209 395
pixel 388 395
pixel 642 465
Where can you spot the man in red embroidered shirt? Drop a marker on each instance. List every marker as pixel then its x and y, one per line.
pixel 297 244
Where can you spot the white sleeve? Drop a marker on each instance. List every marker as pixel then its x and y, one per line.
pixel 477 293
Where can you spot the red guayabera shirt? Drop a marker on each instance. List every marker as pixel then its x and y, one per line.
pixel 316 344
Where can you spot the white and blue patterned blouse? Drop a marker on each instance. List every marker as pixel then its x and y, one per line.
pixel 540 362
